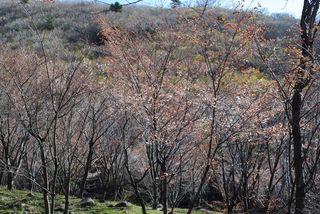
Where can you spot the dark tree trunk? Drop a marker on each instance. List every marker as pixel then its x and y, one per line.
pixel 2 168
pixel 86 170
pixel 10 178
pixel 302 79
pixel 55 163
pixel 67 194
pixel 164 187
pixel 140 199
pixel 297 146
pixel 45 188
pixel 155 195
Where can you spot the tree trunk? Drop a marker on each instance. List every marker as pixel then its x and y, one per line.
pixel 134 183
pixel 10 178
pixel 55 172
pixel 196 197
pixel 86 170
pixel 210 155
pixel 2 168
pixel 303 78
pixel 164 187
pixel 155 195
pixel 7 164
pixel 67 194
pixel 297 147
pixel 141 202
pixel 45 187
pixel 151 153
pixel 143 207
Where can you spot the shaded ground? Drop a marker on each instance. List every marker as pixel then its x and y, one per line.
pixel 17 201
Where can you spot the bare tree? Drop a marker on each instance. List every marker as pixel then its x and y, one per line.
pixel 100 119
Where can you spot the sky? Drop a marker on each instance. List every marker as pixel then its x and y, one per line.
pixel 293 7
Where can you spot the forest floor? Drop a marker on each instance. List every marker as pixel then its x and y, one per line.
pixel 24 202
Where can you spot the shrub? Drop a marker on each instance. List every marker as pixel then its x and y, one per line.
pixel 93 35
pixel 175 3
pixel 49 23
pixel 116 7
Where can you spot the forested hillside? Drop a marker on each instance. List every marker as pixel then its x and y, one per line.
pixel 177 110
